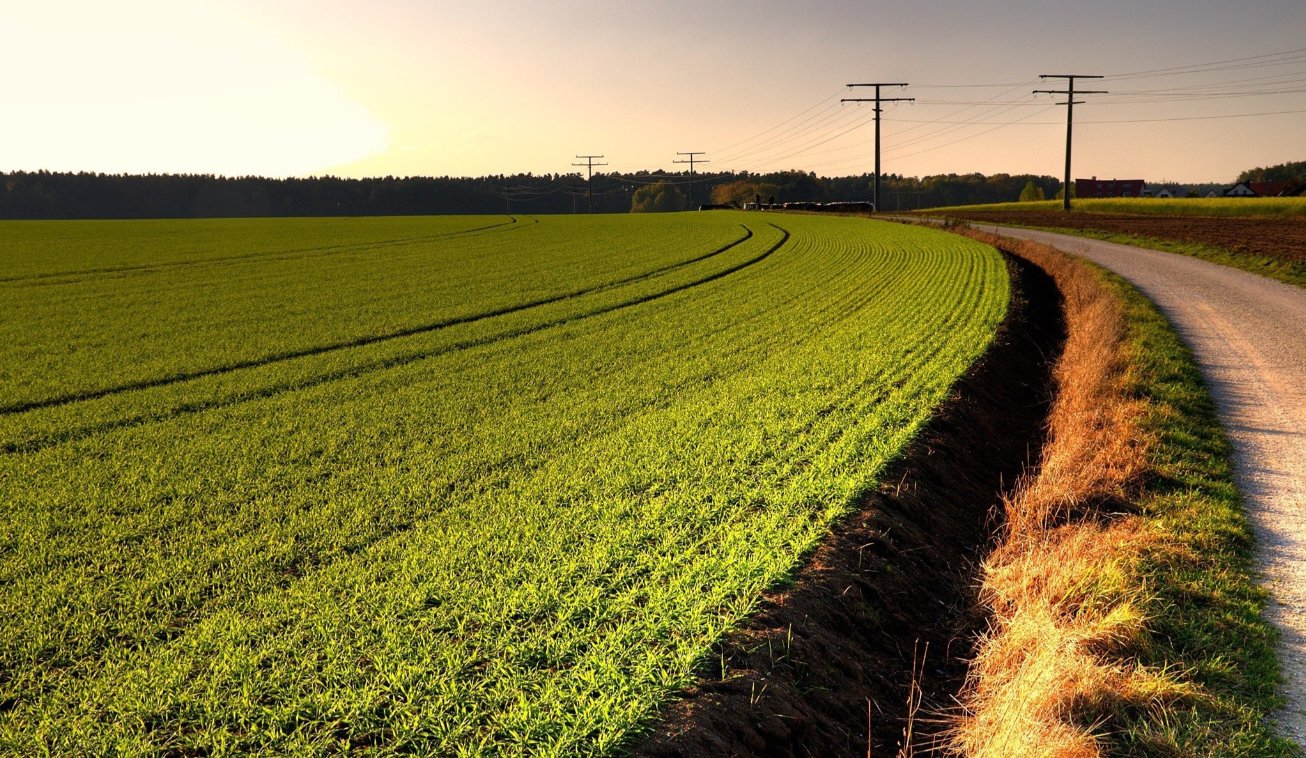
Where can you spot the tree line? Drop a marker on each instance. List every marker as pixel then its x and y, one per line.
pixel 48 195
pixel 1284 172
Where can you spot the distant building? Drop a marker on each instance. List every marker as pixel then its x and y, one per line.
pixel 1109 187
pixel 1271 189
pixel 1259 189
pixel 1167 192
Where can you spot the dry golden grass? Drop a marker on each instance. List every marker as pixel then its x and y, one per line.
pixel 1065 608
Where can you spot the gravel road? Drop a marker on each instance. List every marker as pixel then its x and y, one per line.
pixel 1249 335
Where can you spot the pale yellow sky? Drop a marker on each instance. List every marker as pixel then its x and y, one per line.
pixel 435 87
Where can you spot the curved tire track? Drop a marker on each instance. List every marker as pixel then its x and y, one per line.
pixel 373 339
pixel 1249 336
pixel 72 435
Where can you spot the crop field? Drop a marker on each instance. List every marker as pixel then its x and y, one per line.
pixel 437 485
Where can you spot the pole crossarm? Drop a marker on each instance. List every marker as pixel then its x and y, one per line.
pixel 1070 92
pixel 877 101
pixel 878 110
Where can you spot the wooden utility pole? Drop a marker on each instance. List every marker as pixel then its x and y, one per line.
pixel 692 160
pixel 875 199
pixel 1070 104
pixel 589 180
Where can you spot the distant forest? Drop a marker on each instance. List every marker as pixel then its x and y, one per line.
pixel 46 195
pixel 1284 172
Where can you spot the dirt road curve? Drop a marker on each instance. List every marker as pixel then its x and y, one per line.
pixel 1249 335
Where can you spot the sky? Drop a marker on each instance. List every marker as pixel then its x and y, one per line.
pixel 1199 90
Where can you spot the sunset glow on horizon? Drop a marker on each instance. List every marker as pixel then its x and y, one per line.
pixel 1199 90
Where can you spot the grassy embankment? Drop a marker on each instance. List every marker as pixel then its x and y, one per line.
pixel 1124 616
pixel 1289 271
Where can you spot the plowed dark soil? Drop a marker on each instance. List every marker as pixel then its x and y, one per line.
pixel 825 667
pixel 1270 237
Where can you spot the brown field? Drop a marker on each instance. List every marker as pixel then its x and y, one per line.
pixel 1283 238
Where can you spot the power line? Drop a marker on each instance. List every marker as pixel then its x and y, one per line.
pixel 1270 80
pixel 1194 118
pixel 830 117
pixel 997 85
pixel 969 136
pixel 807 146
pixel 804 112
pixel 1103 122
pixel 893 151
pixel 637 182
pixel 1069 92
pixel 878 100
pixel 692 160
pixel 807 131
pixel 1255 61
pixel 589 181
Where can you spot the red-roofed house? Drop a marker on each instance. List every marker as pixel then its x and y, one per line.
pixel 1271 189
pixel 1258 189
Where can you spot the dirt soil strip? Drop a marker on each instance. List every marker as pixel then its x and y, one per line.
pixel 800 678
pixel 1249 336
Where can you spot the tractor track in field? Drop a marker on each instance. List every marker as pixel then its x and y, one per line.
pixel 72 435
pixel 825 666
pixel 373 339
pixel 1248 334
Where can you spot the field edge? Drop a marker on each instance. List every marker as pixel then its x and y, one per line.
pixel 1159 614
pixel 892 584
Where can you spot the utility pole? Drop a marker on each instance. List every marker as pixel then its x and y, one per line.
pixel 589 181
pixel 692 160
pixel 1070 104
pixel 877 100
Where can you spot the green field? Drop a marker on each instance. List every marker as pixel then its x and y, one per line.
pixel 434 485
pixel 1149 206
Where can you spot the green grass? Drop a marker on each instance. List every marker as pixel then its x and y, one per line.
pixel 1205 618
pixel 1212 206
pixel 449 486
pixel 1040 205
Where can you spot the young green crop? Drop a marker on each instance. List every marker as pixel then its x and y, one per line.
pixel 512 532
